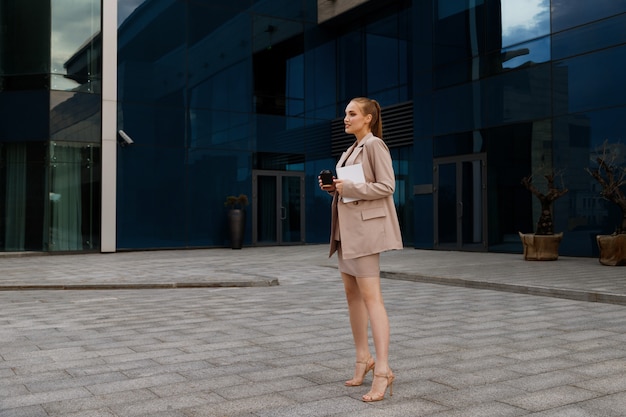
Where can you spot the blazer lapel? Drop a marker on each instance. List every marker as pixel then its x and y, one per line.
pixel 355 153
pixel 346 155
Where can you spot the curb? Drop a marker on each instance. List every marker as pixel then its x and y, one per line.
pixel 576 295
pixel 148 286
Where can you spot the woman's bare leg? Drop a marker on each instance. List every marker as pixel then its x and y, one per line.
pixel 371 294
pixel 358 322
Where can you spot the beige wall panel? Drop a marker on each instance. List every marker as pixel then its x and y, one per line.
pixel 327 9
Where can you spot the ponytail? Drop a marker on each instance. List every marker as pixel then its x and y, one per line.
pixel 371 106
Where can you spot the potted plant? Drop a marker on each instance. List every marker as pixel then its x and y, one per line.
pixel 236 219
pixel 543 245
pixel 611 175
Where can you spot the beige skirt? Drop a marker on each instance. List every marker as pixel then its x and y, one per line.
pixel 363 267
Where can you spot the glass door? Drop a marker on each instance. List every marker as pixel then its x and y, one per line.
pixel 277 208
pixel 460 203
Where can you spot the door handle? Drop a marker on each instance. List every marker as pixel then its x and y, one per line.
pixel 283 213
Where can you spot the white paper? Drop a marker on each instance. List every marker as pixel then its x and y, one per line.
pixel 353 173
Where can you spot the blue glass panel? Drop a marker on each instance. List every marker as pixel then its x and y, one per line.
pixel 23 171
pixel 450 36
pixel 524 20
pixel 295 86
pixel 207 19
pixel 423 116
pixel 270 30
pixel 220 129
pixel 76 44
pixel 24 115
pixel 386 57
pixel 220 106
pixel 317 202
pixel 599 35
pixel 292 10
pixel 525 54
pixel 25 40
pixel 446 195
pixel 589 81
pixel 587 131
pixel 446 8
pixel 281 134
pixel 224 90
pixel 456 144
pixel 214 175
pixel 510 205
pixel 153 125
pixel 454 73
pixel 568 13
pixel 389 96
pixel 517 95
pixel 75 117
pixel 452 109
pixel 151 52
pixel 321 79
pixel 577 140
pixel 382 62
pixel 460 31
pixel 518 56
pixel 151 192
pixel 349 72
pixel 403 195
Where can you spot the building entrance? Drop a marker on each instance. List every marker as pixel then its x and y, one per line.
pixel 460 202
pixel 277 208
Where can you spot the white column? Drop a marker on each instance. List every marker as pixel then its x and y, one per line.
pixel 108 231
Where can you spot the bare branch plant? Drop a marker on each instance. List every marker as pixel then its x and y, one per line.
pixel 545 224
pixel 611 175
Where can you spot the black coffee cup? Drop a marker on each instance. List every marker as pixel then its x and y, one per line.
pixel 327 177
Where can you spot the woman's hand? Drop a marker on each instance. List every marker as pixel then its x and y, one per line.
pixel 338 184
pixel 329 188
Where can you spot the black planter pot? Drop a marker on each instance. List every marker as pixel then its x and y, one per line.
pixel 237 227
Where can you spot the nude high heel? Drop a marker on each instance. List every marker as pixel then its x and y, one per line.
pixel 368 366
pixel 378 396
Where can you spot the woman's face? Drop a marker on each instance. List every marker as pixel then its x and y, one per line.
pixel 355 122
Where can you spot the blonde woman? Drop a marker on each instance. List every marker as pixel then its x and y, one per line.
pixel 364 224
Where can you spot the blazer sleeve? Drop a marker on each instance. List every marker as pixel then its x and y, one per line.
pixel 380 179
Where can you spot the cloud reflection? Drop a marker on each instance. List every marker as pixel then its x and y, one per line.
pixel 524 19
pixel 74 22
pixel 125 8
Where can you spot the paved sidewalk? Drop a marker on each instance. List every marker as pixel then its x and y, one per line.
pixel 263 332
pixel 569 277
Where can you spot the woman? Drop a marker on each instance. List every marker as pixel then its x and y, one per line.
pixel 360 229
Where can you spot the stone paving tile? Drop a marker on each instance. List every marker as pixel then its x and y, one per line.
pixel 26 400
pixel 551 398
pixel 608 385
pixel 285 350
pixel 32 411
pixel 547 380
pixel 473 395
pixel 99 402
pixel 607 406
pixel 489 409
pixel 176 403
pixel 134 383
pixel 572 411
pixel 250 407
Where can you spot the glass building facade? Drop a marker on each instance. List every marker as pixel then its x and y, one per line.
pixel 247 97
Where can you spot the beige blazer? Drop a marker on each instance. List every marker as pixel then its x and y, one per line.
pixel 369 225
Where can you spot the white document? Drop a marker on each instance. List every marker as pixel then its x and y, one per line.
pixel 353 173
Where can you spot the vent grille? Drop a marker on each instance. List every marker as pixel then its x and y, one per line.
pixel 397 128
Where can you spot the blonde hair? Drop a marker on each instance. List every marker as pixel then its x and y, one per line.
pixel 371 106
